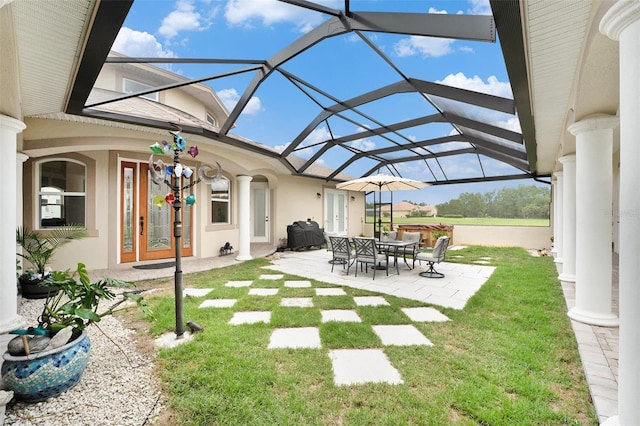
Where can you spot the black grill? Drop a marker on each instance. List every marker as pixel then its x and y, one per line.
pixel 304 234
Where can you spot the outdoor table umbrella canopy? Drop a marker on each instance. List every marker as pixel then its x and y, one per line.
pixel 381 182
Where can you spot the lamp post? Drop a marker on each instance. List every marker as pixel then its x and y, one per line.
pixel 172 176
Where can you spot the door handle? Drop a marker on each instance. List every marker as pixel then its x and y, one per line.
pixel 266 218
pixel 141 225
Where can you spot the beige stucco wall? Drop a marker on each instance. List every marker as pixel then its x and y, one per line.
pixel 529 237
pixel 180 100
pixel 295 200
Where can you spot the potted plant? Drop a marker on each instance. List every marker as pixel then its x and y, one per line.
pixel 49 359
pixel 38 248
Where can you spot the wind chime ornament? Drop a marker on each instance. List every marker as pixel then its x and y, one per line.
pixel 171 175
pixel 162 173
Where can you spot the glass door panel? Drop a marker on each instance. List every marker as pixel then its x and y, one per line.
pixel 128 237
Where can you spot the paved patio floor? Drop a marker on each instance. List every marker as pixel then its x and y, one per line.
pixel 453 291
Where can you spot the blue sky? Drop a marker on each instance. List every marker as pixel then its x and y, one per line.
pixel 257 29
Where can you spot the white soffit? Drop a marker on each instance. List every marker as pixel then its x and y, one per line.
pixel 50 36
pixel 556 31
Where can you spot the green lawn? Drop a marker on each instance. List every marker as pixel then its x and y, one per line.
pixel 509 358
pixel 487 221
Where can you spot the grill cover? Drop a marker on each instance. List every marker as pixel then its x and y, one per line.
pixel 302 234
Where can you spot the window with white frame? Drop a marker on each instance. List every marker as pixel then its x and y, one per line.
pixel 220 196
pixel 61 193
pixel 211 119
pixel 132 86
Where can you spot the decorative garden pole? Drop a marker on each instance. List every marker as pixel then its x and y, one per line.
pixel 177 235
pixel 174 198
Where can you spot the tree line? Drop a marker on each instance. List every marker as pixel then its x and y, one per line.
pixel 525 201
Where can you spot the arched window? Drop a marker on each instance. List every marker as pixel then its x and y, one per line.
pixel 62 186
pixel 220 191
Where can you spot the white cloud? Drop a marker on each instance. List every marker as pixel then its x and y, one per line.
pixel 305 153
pixel 230 97
pixel 139 44
pixel 436 11
pixel 363 144
pixel 269 12
pixel 512 124
pixel 492 87
pixel 480 7
pixel 319 134
pixel 426 46
pixel 183 18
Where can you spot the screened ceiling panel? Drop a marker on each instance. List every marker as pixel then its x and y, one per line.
pixel 364 87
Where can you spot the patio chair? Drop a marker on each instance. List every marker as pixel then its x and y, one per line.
pixel 410 250
pixel 327 239
pixel 343 254
pixel 367 254
pixel 436 256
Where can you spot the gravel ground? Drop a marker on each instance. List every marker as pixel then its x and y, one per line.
pixel 117 388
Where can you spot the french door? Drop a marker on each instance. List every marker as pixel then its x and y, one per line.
pixel 146 229
pixel 259 217
pixel 335 212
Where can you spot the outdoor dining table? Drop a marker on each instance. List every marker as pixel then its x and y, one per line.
pixel 395 245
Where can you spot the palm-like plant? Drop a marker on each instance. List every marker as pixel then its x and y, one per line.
pixel 38 247
pixel 78 301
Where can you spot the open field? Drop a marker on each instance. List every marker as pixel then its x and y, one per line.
pixel 487 221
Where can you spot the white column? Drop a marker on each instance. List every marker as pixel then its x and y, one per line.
pixel 558 222
pixel 20 159
pixel 554 213
pixel 9 318
pixel 568 274
pixel 594 197
pixel 622 22
pixel 244 217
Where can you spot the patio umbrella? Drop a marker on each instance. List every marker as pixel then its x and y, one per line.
pixel 381 182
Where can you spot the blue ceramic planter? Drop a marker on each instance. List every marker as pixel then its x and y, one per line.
pixel 46 374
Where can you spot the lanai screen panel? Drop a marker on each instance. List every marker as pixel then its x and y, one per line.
pixel 351 89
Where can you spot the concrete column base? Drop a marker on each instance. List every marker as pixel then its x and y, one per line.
pixel 567 278
pixel 12 323
pixel 558 262
pixel 594 318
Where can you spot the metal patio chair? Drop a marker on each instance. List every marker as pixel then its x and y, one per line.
pixel 343 254
pixel 436 256
pixel 367 254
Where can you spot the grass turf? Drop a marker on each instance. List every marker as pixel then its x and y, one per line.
pixel 508 358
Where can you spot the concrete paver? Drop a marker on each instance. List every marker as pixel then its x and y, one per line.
pixel 425 314
pixel 295 338
pixel 297 302
pixel 218 303
pixel 330 292
pixel 263 291
pixel 238 283
pixel 196 292
pixel 250 317
pixel 370 301
pixel 359 366
pixel 298 284
pixel 400 335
